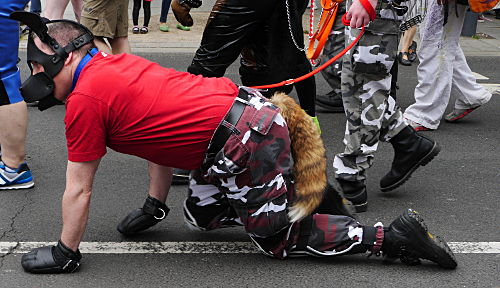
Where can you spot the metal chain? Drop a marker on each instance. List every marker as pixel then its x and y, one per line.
pixel 290 27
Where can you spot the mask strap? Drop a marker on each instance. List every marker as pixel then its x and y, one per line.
pixel 82 64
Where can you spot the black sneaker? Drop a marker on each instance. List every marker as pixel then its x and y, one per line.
pixel 331 102
pixel 408 239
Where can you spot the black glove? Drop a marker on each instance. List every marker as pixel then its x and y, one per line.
pixel 51 259
pixel 141 219
pixel 181 10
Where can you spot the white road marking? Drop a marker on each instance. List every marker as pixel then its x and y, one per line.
pixel 203 247
pixel 479 76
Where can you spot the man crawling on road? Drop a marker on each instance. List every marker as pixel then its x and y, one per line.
pixel 257 162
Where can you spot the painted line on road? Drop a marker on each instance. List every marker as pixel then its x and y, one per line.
pixel 203 247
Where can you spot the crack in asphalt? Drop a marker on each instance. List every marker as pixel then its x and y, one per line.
pixel 11 226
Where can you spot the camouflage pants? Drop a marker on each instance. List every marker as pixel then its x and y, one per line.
pixel 372 114
pixel 249 182
pixel 333 46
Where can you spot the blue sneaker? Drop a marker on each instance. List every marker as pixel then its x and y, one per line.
pixel 19 178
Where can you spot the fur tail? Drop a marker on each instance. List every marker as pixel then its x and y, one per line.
pixel 309 157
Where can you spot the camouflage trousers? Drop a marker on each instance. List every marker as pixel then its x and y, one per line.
pixel 333 46
pixel 372 114
pixel 249 182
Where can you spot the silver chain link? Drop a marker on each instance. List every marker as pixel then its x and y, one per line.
pixel 290 27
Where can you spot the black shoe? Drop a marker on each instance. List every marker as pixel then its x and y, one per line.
pixel 411 150
pixel 331 101
pixel 407 238
pixel 180 177
pixel 402 60
pixel 355 192
pixel 333 203
pixel 412 51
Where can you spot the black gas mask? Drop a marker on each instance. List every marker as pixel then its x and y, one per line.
pixel 40 86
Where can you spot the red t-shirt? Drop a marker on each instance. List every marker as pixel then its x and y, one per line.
pixel 137 107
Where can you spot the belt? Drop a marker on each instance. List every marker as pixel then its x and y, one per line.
pixel 232 117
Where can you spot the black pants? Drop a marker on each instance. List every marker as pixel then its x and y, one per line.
pixel 258 30
pixel 147 12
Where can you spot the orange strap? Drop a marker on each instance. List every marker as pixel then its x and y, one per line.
pixel 325 25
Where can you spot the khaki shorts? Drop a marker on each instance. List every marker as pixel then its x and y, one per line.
pixel 106 18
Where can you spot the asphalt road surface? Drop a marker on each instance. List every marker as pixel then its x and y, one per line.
pixel 457 194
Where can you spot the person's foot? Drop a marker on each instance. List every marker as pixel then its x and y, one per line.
pixel 412 51
pixel 183 28
pixel 180 176
pixel 408 239
pixel 403 59
pixel 11 179
pixel 480 18
pixel 136 30
pixel 144 30
pixel 355 192
pixel 416 126
pixel 331 102
pixel 411 150
pixel 458 114
pixel 164 27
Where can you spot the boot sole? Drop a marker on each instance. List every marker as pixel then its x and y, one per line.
pixel 27 185
pixel 435 249
pixel 424 161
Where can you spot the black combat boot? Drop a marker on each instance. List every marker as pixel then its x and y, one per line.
pixel 408 239
pixel 355 192
pixel 331 102
pixel 411 150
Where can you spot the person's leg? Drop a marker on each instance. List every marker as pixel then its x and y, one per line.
pixel 404 55
pixel 332 101
pixel 54 9
pixel 435 70
pixel 406 238
pixel 135 12
pixel 230 24
pixel 206 207
pixel 102 45
pixel 120 45
pixel 165 7
pixel 77 8
pixel 147 12
pixel 119 42
pixel 469 93
pixel 372 115
pixel 14 172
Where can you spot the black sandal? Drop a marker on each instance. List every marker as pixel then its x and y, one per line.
pixel 144 30
pixel 402 60
pixel 135 30
pixel 412 51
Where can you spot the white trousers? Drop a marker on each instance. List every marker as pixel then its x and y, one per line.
pixel 443 69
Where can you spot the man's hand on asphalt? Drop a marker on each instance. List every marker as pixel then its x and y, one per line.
pixel 51 259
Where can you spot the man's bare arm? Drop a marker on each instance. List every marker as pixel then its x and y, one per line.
pixel 76 201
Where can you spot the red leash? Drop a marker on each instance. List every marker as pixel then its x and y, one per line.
pixel 371 11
